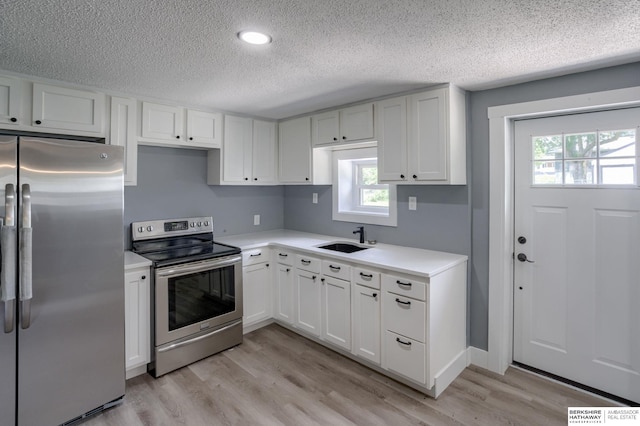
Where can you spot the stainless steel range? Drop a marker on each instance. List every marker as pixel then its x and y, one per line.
pixel 196 290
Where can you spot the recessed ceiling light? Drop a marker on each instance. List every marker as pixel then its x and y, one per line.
pixel 253 37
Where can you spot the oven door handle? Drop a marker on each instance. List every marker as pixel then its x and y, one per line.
pixel 196 339
pixel 201 266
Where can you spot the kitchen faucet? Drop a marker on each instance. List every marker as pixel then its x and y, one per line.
pixel 360 231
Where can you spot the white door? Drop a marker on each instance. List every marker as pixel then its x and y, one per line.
pixel 366 323
pixel 336 311
pixel 308 306
pixel 577 249
pixel 284 293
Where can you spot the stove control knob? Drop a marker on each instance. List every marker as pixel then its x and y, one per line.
pixel 193 224
pixel 149 228
pixel 140 229
pixel 199 224
pixel 206 223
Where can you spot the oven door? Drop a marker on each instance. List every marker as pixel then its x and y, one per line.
pixel 193 297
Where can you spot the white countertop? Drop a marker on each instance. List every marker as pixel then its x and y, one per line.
pixel 396 258
pixel 133 261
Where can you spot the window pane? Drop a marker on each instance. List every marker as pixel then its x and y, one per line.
pixel 619 171
pixel 581 145
pixel 581 172
pixel 369 175
pixel 618 143
pixel 374 197
pixel 547 147
pixel 547 172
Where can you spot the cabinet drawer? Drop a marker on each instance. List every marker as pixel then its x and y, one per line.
pixel 405 357
pixel 336 269
pixel 366 277
pixel 283 256
pixel 405 316
pixel 307 263
pixel 253 256
pixel 405 286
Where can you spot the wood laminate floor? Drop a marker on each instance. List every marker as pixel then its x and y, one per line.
pixel 279 378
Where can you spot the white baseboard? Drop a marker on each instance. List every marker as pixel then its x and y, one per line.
pixel 478 357
pixel 252 327
pixel 131 373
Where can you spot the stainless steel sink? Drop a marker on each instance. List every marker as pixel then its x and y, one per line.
pixel 343 247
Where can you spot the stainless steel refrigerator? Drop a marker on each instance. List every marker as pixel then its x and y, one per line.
pixel 62 284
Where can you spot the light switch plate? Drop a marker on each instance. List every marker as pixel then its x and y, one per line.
pixel 413 203
pixel 256 219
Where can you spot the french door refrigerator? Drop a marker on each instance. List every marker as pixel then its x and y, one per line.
pixel 62 305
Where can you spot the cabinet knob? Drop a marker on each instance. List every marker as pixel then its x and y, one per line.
pixel 344 138
pixel 306 178
pixel 13 119
pixel 178 137
pixel 38 122
pixel 401 176
pixel 144 277
pixel 415 176
pixel 335 139
pixel 255 178
pixel 246 178
pixel 191 138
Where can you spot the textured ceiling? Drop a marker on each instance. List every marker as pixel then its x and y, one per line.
pixel 324 52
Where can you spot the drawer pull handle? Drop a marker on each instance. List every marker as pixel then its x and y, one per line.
pixel 368 276
pixel 306 262
pixel 408 302
pixel 255 255
pixel 335 268
pixel 283 255
pixel 403 342
pixel 403 283
pixel 374 295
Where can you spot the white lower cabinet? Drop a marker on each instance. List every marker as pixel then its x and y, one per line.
pixel 336 311
pixel 256 286
pixel 405 356
pixel 137 320
pixel 308 303
pixel 283 288
pixel 366 323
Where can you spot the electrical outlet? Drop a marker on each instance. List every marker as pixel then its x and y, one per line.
pixel 413 203
pixel 256 219
pixel 315 198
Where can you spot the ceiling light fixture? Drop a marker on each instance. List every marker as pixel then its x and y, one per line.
pixel 253 37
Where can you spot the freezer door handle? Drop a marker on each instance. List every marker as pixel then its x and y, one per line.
pixel 26 289
pixel 8 254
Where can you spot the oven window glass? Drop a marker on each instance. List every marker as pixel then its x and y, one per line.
pixel 201 296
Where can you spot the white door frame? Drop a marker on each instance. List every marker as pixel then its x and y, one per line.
pixel 501 204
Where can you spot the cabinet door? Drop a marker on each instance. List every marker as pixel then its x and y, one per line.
pixel 163 122
pixel 356 123
pixel 428 134
pixel 10 98
pixel 284 286
pixel 308 306
pixel 391 124
pixel 295 151
pixel 68 109
pixel 256 294
pixel 137 318
pixel 325 128
pixel 236 149
pixel 204 128
pixel 123 133
pixel 336 312
pixel 366 323
pixel 264 152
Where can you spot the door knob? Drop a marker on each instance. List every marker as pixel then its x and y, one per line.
pixel 523 258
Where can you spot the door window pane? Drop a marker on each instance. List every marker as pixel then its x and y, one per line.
pixel 580 172
pixel 547 172
pixel 581 145
pixel 547 147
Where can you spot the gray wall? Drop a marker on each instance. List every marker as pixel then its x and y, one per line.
pixel 172 183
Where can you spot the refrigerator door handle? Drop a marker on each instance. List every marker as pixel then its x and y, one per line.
pixel 26 289
pixel 8 251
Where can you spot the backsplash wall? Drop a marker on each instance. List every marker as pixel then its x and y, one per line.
pixel 172 183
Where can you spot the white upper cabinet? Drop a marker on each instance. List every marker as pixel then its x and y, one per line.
pixel 162 122
pixel 123 133
pixel 422 138
pixel 204 128
pixel 343 126
pixel 167 125
pixel 248 155
pixel 10 99
pixel 299 162
pixel 61 109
